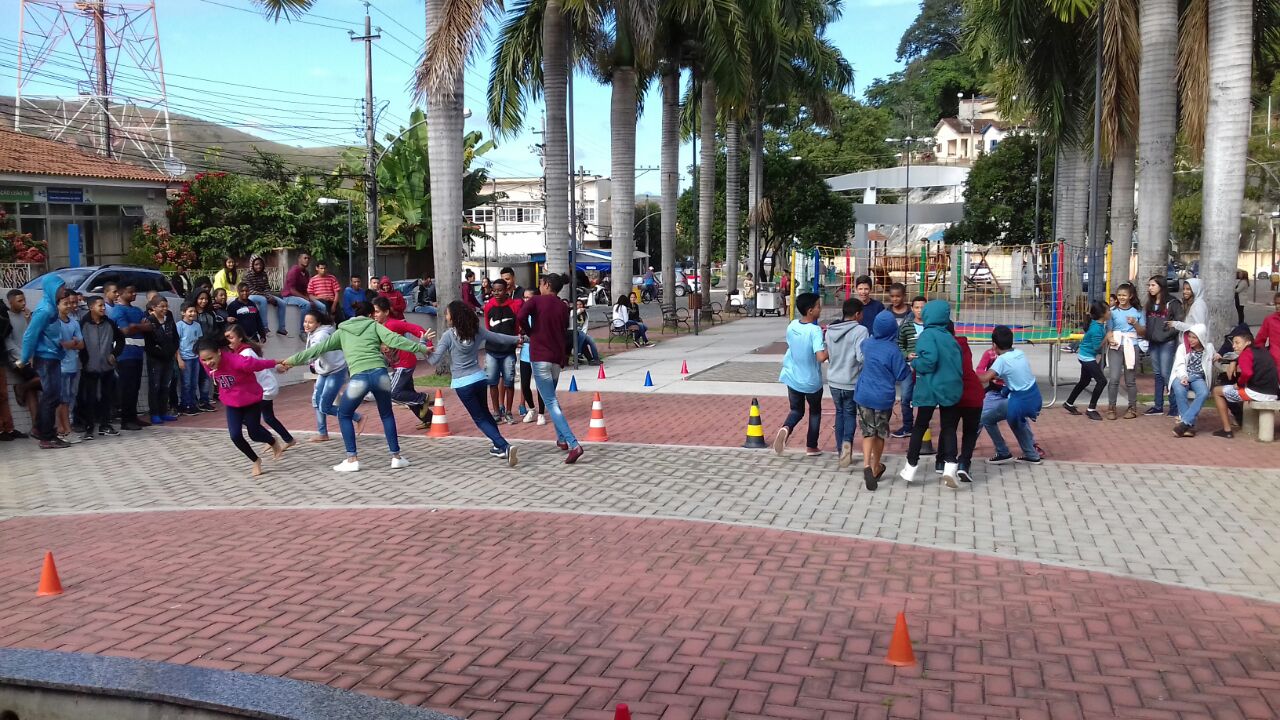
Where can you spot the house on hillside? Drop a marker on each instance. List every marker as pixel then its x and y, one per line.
pixel 46 186
pixel 961 140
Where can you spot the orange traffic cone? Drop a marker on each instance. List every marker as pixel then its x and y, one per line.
pixel 622 712
pixel 900 652
pixel 49 582
pixel 684 367
pixel 439 421
pixel 600 375
pixel 597 431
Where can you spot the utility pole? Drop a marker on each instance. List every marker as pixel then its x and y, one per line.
pixel 648 246
pixel 103 87
pixel 370 163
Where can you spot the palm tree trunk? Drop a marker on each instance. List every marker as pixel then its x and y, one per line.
pixel 670 177
pixel 706 189
pixel 444 148
pixel 1061 194
pixel 1225 147
pixel 556 168
pixel 753 199
pixel 1078 223
pixel 733 204
pixel 622 149
pixel 1157 128
pixel 1122 181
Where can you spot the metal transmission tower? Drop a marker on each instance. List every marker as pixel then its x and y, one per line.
pixel 91 72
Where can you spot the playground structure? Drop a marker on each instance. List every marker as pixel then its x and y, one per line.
pixel 1034 290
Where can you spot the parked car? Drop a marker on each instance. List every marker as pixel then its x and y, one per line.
pixel 91 279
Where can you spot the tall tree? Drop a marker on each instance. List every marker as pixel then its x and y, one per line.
pixel 1157 130
pixel 706 188
pixel 1230 31
pixel 555 69
pixel 732 200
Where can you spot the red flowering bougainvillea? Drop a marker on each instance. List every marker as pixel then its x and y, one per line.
pixel 16 247
pixel 154 246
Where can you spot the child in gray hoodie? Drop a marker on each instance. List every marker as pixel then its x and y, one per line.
pixel 844 343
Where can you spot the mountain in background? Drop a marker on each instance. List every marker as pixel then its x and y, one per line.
pixel 203 145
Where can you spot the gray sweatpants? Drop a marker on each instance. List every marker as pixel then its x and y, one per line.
pixel 1115 367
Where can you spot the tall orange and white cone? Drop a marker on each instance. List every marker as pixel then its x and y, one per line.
pixel 597 431
pixel 439 421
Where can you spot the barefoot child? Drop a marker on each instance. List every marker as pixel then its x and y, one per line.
pixel 241 395
pixel 882 369
pixel 241 344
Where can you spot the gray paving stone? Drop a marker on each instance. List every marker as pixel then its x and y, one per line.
pixel 1203 527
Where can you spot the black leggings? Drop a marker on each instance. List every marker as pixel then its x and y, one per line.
pixel 527 390
pixel 971 428
pixel 797 401
pixel 250 418
pixel 946 439
pixel 1090 370
pixel 269 417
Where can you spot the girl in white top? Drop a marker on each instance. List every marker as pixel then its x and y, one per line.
pixel 622 319
pixel 331 374
pixel 242 345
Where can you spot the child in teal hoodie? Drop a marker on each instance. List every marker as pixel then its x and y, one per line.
pixel 1090 370
pixel 939 384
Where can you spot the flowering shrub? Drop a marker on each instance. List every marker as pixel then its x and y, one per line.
pixel 16 247
pixel 154 246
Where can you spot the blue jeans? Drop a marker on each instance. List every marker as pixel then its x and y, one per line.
pixel 50 373
pixel 261 302
pixel 994 411
pixel 640 330
pixel 1162 366
pixel 474 399
pixel 425 309
pixel 500 368
pixel 304 306
pixel 587 346
pixel 906 389
pixel 846 416
pixel 326 390
pixel 545 377
pixel 1190 409
pixel 191 374
pixel 375 381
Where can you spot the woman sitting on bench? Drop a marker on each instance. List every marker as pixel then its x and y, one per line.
pixel 622 319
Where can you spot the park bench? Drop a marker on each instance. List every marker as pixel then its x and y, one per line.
pixel 673 318
pixel 1260 420
pixel 619 332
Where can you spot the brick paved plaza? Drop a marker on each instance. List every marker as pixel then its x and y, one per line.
pixel 1131 576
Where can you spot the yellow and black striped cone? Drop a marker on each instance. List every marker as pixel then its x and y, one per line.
pixel 926 446
pixel 755 431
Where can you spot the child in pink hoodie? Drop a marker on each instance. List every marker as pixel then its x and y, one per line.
pixel 240 393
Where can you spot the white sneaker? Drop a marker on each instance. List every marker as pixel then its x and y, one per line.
pixel 347 466
pixel 949 475
pixel 542 420
pixel 399 463
pixel 530 416
pixel 908 472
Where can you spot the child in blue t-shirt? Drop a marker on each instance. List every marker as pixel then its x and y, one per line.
pixel 802 373
pixel 189 332
pixel 72 341
pixel 1125 326
pixel 1020 402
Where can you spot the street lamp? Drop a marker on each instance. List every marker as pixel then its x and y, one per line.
pixel 351 269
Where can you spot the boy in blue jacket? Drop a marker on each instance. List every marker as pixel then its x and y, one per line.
pixel 42 348
pixel 882 369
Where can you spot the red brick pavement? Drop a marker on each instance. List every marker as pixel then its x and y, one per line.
pixel 513 615
pixel 721 421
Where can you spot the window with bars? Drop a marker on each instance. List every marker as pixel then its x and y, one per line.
pixel 516 214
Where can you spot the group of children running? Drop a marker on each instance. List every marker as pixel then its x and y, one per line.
pixel 1172 333
pixel 876 354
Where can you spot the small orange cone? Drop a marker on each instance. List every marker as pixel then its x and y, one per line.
pixel 684 367
pixel 600 375
pixel 622 712
pixel 439 421
pixel 597 431
pixel 900 652
pixel 49 582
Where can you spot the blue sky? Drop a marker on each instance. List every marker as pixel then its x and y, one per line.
pixel 308 78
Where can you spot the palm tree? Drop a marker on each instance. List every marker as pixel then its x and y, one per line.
pixel 1157 131
pixel 555 64
pixel 706 188
pixel 732 202
pixel 670 168
pixel 1230 34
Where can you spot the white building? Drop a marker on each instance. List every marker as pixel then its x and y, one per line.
pixel 516 226
pixel 961 141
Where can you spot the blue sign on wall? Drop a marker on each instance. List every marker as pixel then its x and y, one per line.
pixel 64 195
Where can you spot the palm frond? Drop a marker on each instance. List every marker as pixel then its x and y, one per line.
pixel 1122 56
pixel 1193 73
pixel 286 9
pixel 516 75
pixel 451 40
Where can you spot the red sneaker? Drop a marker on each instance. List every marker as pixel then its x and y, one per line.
pixel 573 455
